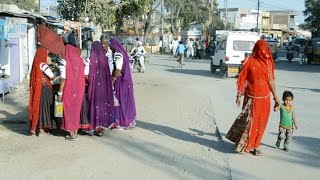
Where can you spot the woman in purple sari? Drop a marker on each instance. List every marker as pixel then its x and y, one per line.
pixel 100 93
pixel 123 86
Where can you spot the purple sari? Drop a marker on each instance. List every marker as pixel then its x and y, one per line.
pixel 126 112
pixel 100 93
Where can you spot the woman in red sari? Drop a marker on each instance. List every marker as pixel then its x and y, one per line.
pixel 40 94
pixel 256 82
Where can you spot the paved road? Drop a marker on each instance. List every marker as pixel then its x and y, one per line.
pixel 303 159
pixel 183 115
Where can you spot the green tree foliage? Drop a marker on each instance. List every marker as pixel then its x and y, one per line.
pixel 29 5
pixel 312 13
pixel 131 8
pixel 184 12
pixel 100 11
pixel 112 12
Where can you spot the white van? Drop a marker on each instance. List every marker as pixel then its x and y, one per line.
pixel 232 48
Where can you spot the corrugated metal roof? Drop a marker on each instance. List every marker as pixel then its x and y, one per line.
pixel 13 10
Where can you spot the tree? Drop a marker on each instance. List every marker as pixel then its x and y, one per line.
pixel 100 11
pixel 29 5
pixel 133 8
pixel 184 12
pixel 312 13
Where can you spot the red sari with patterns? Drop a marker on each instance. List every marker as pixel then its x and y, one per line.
pixel 253 82
pixel 36 87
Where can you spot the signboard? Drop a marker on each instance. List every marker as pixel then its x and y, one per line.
pixel 12 27
pixel 2 35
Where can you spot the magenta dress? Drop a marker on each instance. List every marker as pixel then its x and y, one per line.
pixel 125 113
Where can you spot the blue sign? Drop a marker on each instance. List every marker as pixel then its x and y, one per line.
pixel 2 35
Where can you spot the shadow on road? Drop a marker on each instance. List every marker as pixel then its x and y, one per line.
pixel 168 160
pixel 197 72
pixel 309 156
pixel 294 66
pixel 17 123
pixel 163 65
pixel 185 136
pixel 303 89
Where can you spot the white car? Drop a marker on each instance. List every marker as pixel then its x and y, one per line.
pixel 232 48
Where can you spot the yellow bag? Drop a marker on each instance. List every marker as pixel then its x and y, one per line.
pixel 58 108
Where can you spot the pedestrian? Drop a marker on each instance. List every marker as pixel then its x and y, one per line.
pixel 123 86
pixel 310 52
pixel 137 41
pixel 100 93
pixel 41 97
pixel 256 82
pixel 72 90
pixel 302 54
pixel 175 44
pixel 181 50
pixel 288 120
pixel 197 47
pixel 190 50
pixel 161 46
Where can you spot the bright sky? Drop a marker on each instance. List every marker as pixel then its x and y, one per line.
pixel 48 2
pixel 296 5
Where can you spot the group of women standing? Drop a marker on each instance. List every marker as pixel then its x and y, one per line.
pixel 97 93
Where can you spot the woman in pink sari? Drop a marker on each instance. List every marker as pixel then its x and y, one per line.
pixel 72 91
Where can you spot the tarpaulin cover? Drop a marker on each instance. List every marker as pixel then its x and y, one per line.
pixel 51 40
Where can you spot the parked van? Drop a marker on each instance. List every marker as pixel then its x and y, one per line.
pixel 231 49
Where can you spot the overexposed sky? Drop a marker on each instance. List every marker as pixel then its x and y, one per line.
pixel 296 5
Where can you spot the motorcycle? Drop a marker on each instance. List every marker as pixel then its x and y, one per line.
pixel 290 53
pixel 135 62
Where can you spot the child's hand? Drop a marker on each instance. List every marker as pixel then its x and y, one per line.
pixel 276 107
pixel 295 126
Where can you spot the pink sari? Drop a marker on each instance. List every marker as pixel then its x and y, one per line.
pixel 74 88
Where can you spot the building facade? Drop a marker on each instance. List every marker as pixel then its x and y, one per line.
pixel 276 24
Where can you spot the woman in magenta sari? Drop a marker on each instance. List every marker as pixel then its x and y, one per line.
pixel 123 86
pixel 72 91
pixel 100 94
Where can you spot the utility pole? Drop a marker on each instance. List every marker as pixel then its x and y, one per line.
pixel 39 4
pixel 161 17
pixel 162 38
pixel 226 14
pixel 258 14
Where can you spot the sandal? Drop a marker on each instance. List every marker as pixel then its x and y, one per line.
pixel 70 138
pixel 32 133
pixel 247 150
pixel 257 152
pixel 99 132
pixel 43 132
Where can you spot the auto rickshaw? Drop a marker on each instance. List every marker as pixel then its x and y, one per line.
pixel 316 50
pixel 273 47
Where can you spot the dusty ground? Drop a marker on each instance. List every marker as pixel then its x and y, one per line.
pixel 183 115
pixel 174 139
